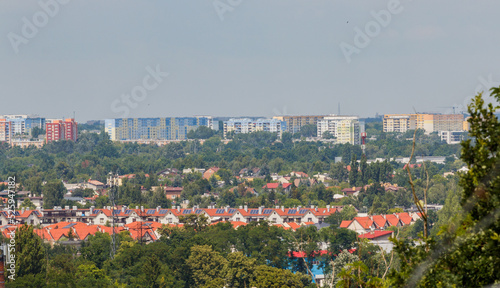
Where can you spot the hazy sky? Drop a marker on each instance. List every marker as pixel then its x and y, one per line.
pixel 249 57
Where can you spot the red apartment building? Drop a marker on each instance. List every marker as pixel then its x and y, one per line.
pixel 5 130
pixel 61 130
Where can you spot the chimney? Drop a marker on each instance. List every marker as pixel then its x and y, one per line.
pixel 316 208
pixel 246 208
pixel 22 210
pixel 178 208
pixel 74 207
pixel 123 209
pixel 384 216
pixel 241 207
pixel 66 207
pixel 260 210
pixel 226 209
pixel 283 208
pixel 91 210
pixel 397 215
pixel 277 207
pixel 142 208
pixel 328 208
pixel 158 209
pixel 312 206
pixel 136 207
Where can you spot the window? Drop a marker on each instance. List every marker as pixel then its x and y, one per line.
pixel 274 220
pixel 237 218
pixel 102 220
pixel 309 219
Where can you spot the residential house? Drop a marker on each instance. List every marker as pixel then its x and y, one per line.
pixel 210 172
pixel 274 187
pixel 354 191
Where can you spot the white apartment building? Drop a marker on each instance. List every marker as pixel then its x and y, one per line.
pixel 346 129
pixel 246 125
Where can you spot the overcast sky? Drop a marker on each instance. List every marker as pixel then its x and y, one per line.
pixel 249 57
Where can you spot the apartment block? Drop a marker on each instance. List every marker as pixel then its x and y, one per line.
pixel 247 125
pixel 56 130
pixel 428 122
pixel 452 137
pixel 175 128
pixel 396 123
pixel 294 123
pixel 22 124
pixel 5 130
pixel 346 129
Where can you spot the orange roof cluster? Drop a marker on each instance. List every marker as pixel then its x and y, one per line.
pixel 380 221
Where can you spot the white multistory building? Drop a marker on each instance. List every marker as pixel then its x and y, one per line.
pixel 345 129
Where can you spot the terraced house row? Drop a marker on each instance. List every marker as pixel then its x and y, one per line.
pixel 124 215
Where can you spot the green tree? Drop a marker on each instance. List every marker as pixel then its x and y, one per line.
pixel 53 194
pixel 466 251
pixel 206 265
pixel 238 270
pixel 309 130
pixel 271 277
pixel 90 276
pixel 29 252
pixel 97 248
pixel 28 204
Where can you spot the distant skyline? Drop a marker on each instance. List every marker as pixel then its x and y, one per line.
pixel 240 57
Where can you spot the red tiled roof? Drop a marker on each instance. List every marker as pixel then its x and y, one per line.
pixel 95 182
pixel 379 220
pixel 237 224
pixel 271 186
pixel 392 219
pixel 375 234
pixel 365 222
pixel 276 185
pixel 84 231
pixel 345 223
pixel 303 254
pixel 293 225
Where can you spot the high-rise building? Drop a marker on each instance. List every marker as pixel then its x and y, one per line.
pixel 22 124
pixel 246 125
pixel 428 122
pixel 294 123
pixel 56 130
pixel 175 128
pixel 396 123
pixel 345 129
pixel 5 130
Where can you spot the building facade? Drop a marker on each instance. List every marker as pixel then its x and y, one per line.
pixel 56 130
pixel 452 137
pixel 175 128
pixel 294 123
pixel 428 122
pixel 346 129
pixel 5 130
pixel 396 123
pixel 246 125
